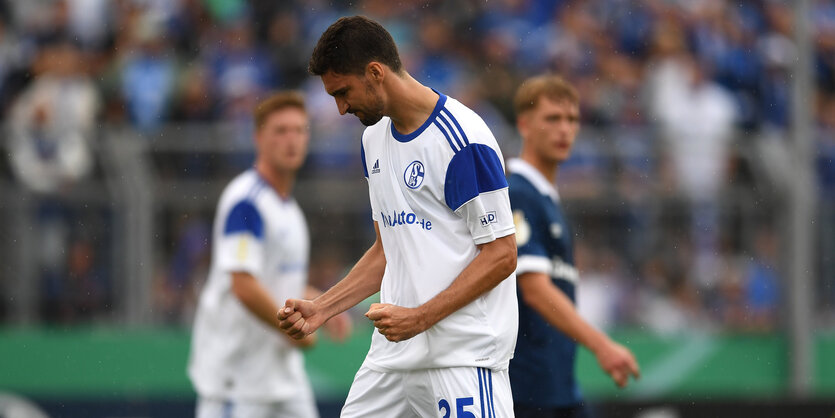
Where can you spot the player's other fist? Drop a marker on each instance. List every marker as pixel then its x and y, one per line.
pixel 396 323
pixel 299 318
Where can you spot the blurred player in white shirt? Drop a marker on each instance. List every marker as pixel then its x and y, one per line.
pixel 241 365
pixel 445 241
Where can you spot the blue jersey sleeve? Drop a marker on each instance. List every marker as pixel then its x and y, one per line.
pixel 474 170
pixel 531 226
pixel 240 248
pixel 244 218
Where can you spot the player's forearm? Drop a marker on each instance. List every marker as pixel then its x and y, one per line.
pixel 494 263
pixel 553 305
pixel 362 281
pixel 258 302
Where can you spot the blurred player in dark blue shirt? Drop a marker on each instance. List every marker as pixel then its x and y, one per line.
pixel 542 371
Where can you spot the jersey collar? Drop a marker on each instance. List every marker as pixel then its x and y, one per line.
pixel 270 187
pixel 406 138
pixel 526 170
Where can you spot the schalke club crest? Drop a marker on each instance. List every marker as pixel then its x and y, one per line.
pixel 413 176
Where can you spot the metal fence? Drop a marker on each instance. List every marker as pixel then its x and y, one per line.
pixel 131 244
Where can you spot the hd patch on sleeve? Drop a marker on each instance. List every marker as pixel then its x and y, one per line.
pixel 488 218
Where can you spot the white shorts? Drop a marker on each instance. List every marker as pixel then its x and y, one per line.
pixel 303 407
pixel 457 392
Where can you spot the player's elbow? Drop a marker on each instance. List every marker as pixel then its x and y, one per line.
pixel 240 293
pixel 506 256
pixel 509 263
pixel 242 286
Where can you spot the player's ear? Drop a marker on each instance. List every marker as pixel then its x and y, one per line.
pixel 522 124
pixel 257 137
pixel 374 71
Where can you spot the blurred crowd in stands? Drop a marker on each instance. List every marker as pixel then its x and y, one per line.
pixel 674 189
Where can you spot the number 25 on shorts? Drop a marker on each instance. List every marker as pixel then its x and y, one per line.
pixel 460 404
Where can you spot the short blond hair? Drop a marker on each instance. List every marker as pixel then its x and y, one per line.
pixel 277 101
pixel 551 86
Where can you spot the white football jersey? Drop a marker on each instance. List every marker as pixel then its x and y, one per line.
pixel 233 354
pixel 436 194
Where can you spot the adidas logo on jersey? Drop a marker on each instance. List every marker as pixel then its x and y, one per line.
pixel 376 168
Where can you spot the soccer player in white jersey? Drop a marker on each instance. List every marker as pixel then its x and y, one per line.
pixel 241 365
pixel 445 241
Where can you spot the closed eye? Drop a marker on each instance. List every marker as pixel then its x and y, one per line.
pixel 341 92
pixel 559 118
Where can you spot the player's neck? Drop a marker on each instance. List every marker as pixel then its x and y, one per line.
pixel 410 103
pixel 548 169
pixel 282 182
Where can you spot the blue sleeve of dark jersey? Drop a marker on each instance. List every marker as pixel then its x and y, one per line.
pixel 474 170
pixel 526 208
pixel 244 217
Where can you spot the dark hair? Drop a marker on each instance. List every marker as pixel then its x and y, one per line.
pixel 278 101
pixel 349 44
pixel 551 86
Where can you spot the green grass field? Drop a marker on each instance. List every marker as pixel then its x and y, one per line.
pixel 151 363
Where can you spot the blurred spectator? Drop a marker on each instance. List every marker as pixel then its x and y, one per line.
pixel 43 23
pixel 196 102
pixel 81 292
pixel 434 63
pixel 89 22
pixel 289 52
pixel 148 74
pixel 729 304
pixel 824 26
pixel 749 290
pixel 471 95
pixel 225 10
pixel 12 66
pixel 52 122
pixel 176 289
pixel 600 294
pixel 762 283
pixel 670 305
pixel 777 53
pixel 695 117
pixel 239 69
pixel 499 77
pixel 241 73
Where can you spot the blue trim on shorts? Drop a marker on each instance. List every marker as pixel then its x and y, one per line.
pixel 480 391
pixel 485 392
pixel 492 405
